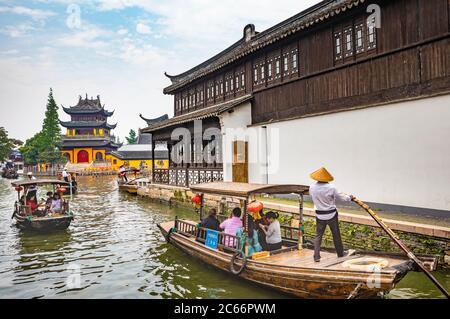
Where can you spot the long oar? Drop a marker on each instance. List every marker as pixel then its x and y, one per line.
pixel 397 240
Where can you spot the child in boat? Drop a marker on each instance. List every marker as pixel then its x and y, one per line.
pixel 55 207
pixel 324 196
pixel 272 232
pixel 48 201
pixel 231 225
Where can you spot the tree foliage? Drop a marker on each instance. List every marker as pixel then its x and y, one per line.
pixel 132 137
pixel 7 144
pixel 43 146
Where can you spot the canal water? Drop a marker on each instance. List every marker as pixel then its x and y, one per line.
pixel 114 249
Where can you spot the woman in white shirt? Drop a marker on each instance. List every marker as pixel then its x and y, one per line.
pixel 272 232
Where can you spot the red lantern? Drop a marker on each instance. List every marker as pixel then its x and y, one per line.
pixel 196 199
pixel 61 190
pixel 255 207
pixel 19 189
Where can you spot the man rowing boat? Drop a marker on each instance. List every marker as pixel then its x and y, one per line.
pixel 324 196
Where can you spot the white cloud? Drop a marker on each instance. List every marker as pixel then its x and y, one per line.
pixel 35 14
pixel 122 31
pixel 143 28
pixel 17 31
pixel 89 37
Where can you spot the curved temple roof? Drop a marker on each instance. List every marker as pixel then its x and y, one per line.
pixel 254 41
pixel 88 106
pixel 87 124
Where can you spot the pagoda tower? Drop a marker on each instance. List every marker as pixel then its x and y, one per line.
pixel 88 137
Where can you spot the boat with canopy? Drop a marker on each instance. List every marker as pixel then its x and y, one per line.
pixel 30 215
pixel 291 269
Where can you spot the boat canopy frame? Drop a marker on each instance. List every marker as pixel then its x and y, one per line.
pixel 245 191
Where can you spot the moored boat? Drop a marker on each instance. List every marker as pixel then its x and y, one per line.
pixel 292 269
pixel 127 185
pixel 40 218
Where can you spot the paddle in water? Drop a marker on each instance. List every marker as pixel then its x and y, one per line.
pixel 397 240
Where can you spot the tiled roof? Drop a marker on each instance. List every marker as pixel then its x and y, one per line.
pixel 305 19
pixel 89 106
pixel 69 143
pixel 151 122
pixel 139 152
pixel 211 111
pixel 80 124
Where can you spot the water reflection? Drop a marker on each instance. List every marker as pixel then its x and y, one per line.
pixel 120 252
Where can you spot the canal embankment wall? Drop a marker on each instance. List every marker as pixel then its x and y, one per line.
pixel 357 231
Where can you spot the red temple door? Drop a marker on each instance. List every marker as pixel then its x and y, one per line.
pixel 83 157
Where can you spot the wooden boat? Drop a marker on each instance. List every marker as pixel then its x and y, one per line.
pixel 292 269
pixel 130 187
pixel 40 220
pixel 10 173
pixel 126 185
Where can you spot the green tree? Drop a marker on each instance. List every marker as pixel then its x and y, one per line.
pixel 7 144
pixel 51 129
pixel 132 137
pixel 43 146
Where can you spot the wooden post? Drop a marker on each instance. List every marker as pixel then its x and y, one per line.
pixel 153 160
pixel 202 196
pixel 244 211
pixel 300 222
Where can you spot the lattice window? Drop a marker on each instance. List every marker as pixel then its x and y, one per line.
pixel 294 59
pixel 232 84
pixel 270 69
pixel 255 74
pixel 243 80
pixel 348 39
pixel 359 33
pixel 338 45
pixel 277 68
pixel 371 35
pixel 286 63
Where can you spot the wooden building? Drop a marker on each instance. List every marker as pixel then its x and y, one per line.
pixel 329 87
pixel 88 135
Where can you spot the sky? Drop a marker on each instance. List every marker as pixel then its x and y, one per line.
pixel 118 49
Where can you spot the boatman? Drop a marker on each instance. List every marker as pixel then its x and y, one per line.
pixel 324 195
pixel 65 175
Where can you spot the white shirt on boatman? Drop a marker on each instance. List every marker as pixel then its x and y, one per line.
pixel 324 197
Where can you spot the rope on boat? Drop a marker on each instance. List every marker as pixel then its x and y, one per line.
pixel 233 260
pixel 397 240
pixel 354 293
pixel 172 230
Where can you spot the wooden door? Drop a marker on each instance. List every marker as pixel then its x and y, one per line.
pixel 240 162
pixel 83 157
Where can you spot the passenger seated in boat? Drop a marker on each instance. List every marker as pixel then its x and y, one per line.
pixel 211 222
pixel 55 207
pixel 32 202
pixel 231 225
pixel 48 201
pixel 272 232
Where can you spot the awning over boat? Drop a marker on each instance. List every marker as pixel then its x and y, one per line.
pixel 245 190
pixel 39 182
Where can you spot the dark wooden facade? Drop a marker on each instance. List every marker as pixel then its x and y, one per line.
pixel 336 64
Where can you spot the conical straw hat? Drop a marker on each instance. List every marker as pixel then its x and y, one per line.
pixel 322 175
